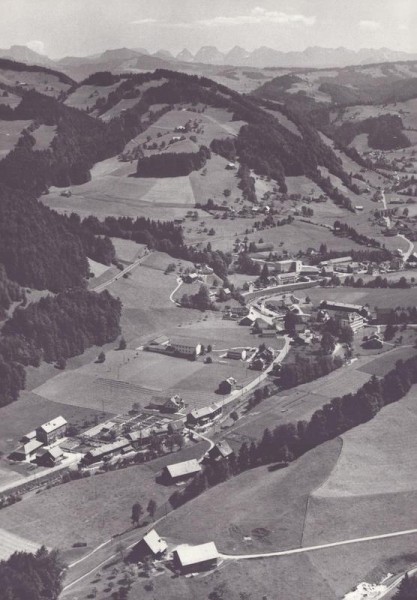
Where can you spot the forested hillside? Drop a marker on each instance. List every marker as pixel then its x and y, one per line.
pixel 54 329
pixel 42 249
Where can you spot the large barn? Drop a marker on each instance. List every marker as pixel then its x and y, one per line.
pixel 191 559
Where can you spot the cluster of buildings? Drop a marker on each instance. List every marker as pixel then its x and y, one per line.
pixel 40 445
pixel 354 316
pixel 184 559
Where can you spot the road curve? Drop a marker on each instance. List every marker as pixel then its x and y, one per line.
pixel 171 296
pixel 370 538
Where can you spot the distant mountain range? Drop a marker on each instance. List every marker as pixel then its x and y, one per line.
pixel 140 59
pixel 312 57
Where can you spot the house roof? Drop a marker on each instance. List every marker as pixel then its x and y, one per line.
pixel 206 411
pixel 134 436
pixel 30 447
pixel 50 426
pixel 223 448
pixel 29 436
pixel 154 542
pixel 107 448
pixel 192 555
pixel 189 343
pixel 188 467
pixel 53 452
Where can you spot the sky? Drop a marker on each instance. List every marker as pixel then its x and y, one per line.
pixel 82 27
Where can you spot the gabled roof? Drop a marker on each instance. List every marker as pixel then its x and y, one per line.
pixel 188 467
pixel 188 342
pixel 29 436
pixel 50 426
pixel 30 447
pixel 135 436
pixel 206 411
pixel 192 555
pixel 107 448
pixel 223 448
pixel 154 542
pixel 53 452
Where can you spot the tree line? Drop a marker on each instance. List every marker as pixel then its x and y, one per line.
pixel 172 164
pixel 53 329
pixel 289 441
pixel 377 282
pixel 26 576
pixel 10 292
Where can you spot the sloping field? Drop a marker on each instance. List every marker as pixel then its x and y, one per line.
pixel 86 96
pixel 10 543
pixel 11 100
pixel 45 83
pixel 371 490
pixel 384 363
pixel 97 268
pixel 29 412
pixel 216 180
pixel 267 507
pixel 375 458
pixel 9 134
pixel 44 134
pixel 89 510
pixel 289 406
pixel 126 250
pixel 300 236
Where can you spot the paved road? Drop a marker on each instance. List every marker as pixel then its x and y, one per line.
pixel 66 462
pixel 361 540
pixel 261 377
pixel 103 286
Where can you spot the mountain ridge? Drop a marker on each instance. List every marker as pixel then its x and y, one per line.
pixel 261 58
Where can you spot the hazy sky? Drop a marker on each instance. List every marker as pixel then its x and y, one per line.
pixel 80 27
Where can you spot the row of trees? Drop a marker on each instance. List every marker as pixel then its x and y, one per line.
pixel 378 282
pixel 289 441
pixel 9 292
pixel 305 369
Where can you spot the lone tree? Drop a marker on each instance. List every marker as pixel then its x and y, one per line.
pixel 101 357
pixel 151 508
pixel 122 344
pixel 328 343
pixel 137 512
